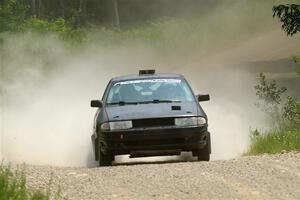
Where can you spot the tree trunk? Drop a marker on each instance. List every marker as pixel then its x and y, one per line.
pixel 33 8
pixel 116 14
pixel 39 6
pixel 83 11
pixel 62 7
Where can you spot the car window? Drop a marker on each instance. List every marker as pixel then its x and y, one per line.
pixel 150 89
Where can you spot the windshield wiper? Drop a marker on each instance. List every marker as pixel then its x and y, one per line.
pixel 160 101
pixel 122 103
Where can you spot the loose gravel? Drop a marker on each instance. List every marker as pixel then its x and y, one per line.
pixel 251 177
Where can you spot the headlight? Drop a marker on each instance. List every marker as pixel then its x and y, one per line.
pixel 201 121
pixel 105 126
pixel 122 125
pixel 190 121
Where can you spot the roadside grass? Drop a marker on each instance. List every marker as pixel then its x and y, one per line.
pixel 274 142
pixel 13 186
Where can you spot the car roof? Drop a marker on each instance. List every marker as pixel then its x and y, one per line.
pixel 148 76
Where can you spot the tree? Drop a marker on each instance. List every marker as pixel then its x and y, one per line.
pixel 289 15
pixel 116 14
pixel 12 14
pixel 83 12
pixel 33 8
pixel 270 93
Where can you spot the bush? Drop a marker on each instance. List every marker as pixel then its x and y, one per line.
pixel 296 59
pixel 13 186
pixel 292 111
pixel 285 120
pixel 15 18
pixel 269 91
pixel 58 26
pixel 274 142
pixel 12 14
pixel 269 99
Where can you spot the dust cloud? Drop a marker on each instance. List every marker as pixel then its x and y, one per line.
pixel 46 87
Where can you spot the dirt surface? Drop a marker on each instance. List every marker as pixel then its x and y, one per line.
pixel 254 177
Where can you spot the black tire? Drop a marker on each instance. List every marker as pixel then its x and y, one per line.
pixel 204 154
pixel 105 159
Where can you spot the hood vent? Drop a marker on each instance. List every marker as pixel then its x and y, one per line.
pixel 176 107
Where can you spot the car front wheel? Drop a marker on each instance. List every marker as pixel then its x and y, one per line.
pixel 105 159
pixel 204 154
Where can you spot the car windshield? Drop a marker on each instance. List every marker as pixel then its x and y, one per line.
pixel 149 91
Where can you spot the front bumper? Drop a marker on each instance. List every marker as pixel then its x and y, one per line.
pixel 153 139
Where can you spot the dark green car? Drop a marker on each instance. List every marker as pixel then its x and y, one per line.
pixel 149 115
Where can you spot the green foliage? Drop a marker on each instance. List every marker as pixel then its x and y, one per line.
pixel 292 105
pixel 14 17
pixel 289 15
pixel 296 59
pixel 282 114
pixel 269 95
pixel 270 92
pixel 13 186
pixel 285 119
pixel 58 26
pixel 154 33
pixel 12 14
pixel 163 33
pixel 42 26
pixel 292 111
pixel 275 142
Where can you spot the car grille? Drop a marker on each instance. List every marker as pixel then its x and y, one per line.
pixel 155 142
pixel 156 122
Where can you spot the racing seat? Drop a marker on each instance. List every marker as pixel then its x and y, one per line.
pixel 167 92
pixel 129 94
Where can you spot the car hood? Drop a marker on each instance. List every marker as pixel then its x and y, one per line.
pixel 143 111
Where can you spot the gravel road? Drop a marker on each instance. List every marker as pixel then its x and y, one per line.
pixel 254 177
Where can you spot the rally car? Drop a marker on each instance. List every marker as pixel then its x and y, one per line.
pixel 149 114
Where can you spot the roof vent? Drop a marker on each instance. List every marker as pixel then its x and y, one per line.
pixel 147 72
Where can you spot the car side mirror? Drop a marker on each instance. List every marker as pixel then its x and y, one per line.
pixel 203 97
pixel 96 104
